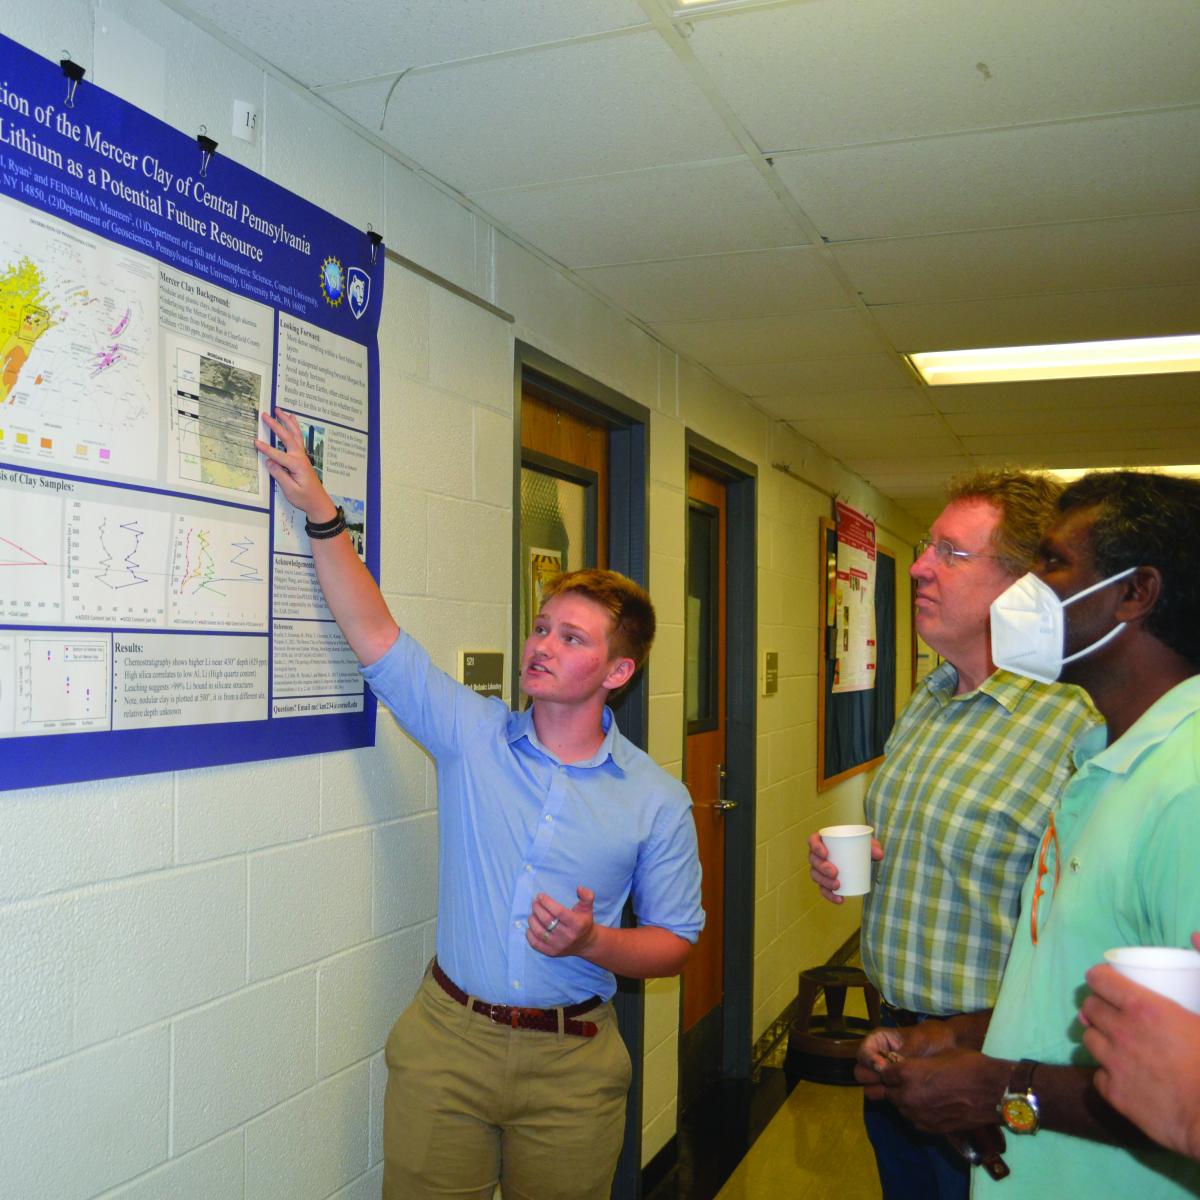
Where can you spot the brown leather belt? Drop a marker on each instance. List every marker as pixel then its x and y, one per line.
pixel 545 1020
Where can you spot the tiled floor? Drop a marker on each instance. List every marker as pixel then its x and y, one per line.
pixel 813 1149
pixel 775 1137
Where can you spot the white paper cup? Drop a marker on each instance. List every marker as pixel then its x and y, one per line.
pixel 1171 972
pixel 849 849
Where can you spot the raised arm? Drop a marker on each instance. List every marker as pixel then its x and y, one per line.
pixel 353 597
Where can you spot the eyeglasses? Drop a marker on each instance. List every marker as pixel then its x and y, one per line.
pixel 947 554
pixel 1049 843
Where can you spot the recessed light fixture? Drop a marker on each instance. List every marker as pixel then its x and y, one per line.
pixel 1068 360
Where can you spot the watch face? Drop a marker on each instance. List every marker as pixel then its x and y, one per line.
pixel 1019 1114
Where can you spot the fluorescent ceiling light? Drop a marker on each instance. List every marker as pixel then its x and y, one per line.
pixel 1070 360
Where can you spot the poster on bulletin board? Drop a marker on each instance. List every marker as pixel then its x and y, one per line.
pixel 158 604
pixel 854 601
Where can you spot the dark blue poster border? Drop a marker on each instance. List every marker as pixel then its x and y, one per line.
pixel 150 303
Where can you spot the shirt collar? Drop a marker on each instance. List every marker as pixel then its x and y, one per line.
pixel 1152 727
pixel 614 746
pixel 1005 688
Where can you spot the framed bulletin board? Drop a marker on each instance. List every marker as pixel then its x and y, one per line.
pixel 852 727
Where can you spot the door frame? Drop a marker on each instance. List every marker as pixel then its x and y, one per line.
pixel 628 425
pixel 741 732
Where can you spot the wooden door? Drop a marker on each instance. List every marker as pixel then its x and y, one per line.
pixel 704 704
pixel 564 498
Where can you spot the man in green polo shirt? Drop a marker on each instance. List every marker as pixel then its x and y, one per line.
pixel 1116 598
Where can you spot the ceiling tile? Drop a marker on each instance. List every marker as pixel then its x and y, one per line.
pixel 588 108
pixel 1182 444
pixel 828 74
pixel 1132 391
pixel 916 468
pixel 1133 251
pixel 897 402
pixel 667 212
pixel 383 36
pixel 921 434
pixel 721 286
pixel 1083 460
pixel 858 373
pixel 1035 320
pixel 1118 166
pixel 1161 418
pixel 799 336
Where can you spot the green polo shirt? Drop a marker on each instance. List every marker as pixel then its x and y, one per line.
pixel 959 805
pixel 1129 875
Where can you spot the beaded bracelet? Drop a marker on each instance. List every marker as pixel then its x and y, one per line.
pixel 327 529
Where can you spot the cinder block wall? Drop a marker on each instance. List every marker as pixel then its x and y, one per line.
pixel 200 968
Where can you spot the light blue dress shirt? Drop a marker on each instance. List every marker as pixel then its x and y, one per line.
pixel 514 820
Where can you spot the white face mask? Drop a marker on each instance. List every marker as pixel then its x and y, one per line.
pixel 1029 630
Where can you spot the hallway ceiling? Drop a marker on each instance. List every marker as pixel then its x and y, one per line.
pixel 793 193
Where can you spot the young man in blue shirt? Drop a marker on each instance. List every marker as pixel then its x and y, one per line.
pixel 508 1066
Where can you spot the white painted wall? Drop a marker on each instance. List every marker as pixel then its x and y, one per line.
pixel 200 968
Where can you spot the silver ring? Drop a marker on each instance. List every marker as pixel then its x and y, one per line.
pixel 551 926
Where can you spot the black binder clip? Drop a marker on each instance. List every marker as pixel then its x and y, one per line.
pixel 376 242
pixel 207 149
pixel 74 73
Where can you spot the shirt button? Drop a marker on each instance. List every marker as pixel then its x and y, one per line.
pixel 517 984
pixel 549 817
pixel 518 924
pixel 528 868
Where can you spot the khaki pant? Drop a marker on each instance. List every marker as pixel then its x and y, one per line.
pixel 471 1104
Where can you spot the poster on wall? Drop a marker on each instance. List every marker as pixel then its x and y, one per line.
pixel 854 600
pixel 544 566
pixel 158 604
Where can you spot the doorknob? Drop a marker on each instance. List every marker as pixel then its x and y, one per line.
pixel 725 805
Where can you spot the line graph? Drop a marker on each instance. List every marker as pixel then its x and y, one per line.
pixel 218 575
pixel 116 564
pixel 31 552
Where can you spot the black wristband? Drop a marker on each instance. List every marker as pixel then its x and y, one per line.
pixel 326 529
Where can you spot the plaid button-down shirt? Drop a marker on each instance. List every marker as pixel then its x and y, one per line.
pixel 960 804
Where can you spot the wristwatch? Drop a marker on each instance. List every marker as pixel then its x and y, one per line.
pixel 1018 1106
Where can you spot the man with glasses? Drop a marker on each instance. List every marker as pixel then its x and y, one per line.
pixel 960 801
pixel 1114 607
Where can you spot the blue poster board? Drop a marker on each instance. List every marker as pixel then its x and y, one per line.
pixel 158 604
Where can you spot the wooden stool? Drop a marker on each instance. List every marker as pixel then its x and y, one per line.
pixel 823 1047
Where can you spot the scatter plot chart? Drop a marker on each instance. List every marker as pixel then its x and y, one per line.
pixel 62 683
pixel 117 564
pixel 218 575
